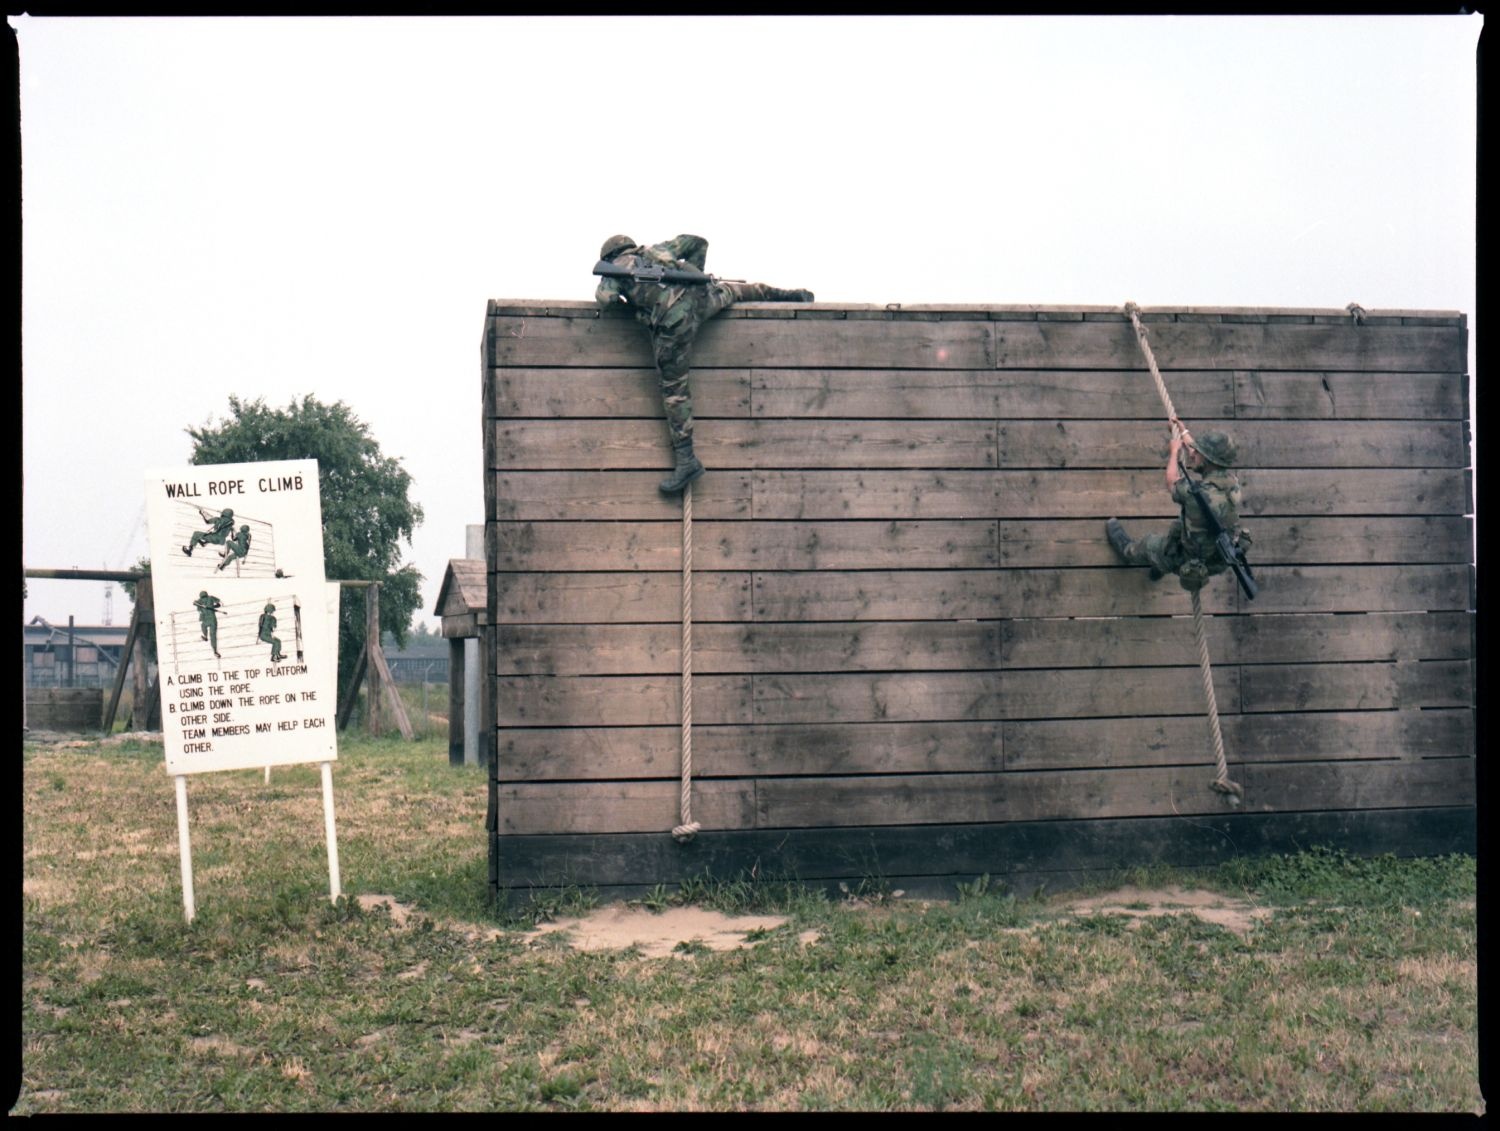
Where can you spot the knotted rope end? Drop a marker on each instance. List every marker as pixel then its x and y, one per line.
pixel 684 833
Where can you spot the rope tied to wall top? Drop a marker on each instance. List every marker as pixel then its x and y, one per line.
pixel 688 828
pixel 1232 791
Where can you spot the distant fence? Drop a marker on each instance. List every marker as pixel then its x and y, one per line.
pixel 418 669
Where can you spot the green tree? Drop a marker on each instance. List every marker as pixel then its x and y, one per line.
pixel 367 509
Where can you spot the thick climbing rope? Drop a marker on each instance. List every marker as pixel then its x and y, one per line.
pixel 688 829
pixel 1232 791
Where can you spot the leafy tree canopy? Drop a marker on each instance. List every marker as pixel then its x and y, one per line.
pixel 367 508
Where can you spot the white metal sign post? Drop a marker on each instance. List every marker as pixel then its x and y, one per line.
pixel 246 628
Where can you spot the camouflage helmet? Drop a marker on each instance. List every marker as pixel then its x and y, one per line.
pixel 614 245
pixel 202 594
pixel 270 608
pixel 1217 447
pixel 226 513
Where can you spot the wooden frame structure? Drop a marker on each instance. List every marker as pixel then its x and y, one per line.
pixel 916 657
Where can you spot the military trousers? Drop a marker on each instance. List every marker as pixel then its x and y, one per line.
pixel 672 338
pixel 1171 552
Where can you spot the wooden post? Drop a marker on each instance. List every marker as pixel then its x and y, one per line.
pixel 456 702
pixel 372 670
pixel 121 668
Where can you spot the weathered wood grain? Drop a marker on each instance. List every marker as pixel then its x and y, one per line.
pixel 631 444
pixel 1295 638
pixel 877 544
pixel 1365 686
pixel 784 750
pixel 1279 540
pixel 1056 444
pixel 730 343
pixel 613 495
pixel 1040 744
pixel 1327 396
pixel 1096 794
pixel 549 701
pixel 615 598
pixel 986 394
pixel 816 342
pixel 1264 346
pixel 605 753
pixel 646 806
pixel 621 649
pixel 610 394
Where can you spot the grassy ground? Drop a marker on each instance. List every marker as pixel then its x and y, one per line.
pixel 1355 989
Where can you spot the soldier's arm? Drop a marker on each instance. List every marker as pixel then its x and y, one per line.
pixel 1174 449
pixel 691 249
pixel 607 293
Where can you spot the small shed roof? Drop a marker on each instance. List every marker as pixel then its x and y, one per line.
pixel 463 597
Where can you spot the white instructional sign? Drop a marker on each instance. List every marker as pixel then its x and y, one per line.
pixel 246 624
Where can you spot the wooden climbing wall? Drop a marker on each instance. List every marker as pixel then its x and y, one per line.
pixel 915 657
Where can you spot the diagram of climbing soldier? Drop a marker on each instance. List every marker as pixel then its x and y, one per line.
pixel 665 288
pixel 268 629
pixel 245 544
pixel 208 619
pixel 219 526
pixel 182 645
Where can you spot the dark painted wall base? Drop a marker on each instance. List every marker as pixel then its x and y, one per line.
pixel 929 860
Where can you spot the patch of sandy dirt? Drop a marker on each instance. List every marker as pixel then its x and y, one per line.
pixel 658 934
pixel 1232 914
pixel 399 912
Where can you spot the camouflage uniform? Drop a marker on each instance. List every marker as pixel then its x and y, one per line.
pixel 1187 548
pixel 674 312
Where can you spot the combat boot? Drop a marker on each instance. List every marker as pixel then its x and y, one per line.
pixel 688 468
pixel 1118 538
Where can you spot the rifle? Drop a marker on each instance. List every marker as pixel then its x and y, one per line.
pixel 1233 556
pixel 656 274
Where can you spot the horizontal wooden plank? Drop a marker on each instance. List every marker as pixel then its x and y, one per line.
pixel 1366 686
pixel 655 649
pixel 951 543
pixel 626 444
pixel 731 342
pixel 610 649
pixel 1294 638
pixel 947 543
pixel 785 750
pixel 604 753
pixel 960 494
pixel 618 598
pixel 613 495
pixel 1095 794
pixel 634 444
pixel 1350 396
pixel 820 341
pixel 549 701
pixel 1278 541
pixel 928 860
pixel 1057 444
pixel 1356 589
pixel 1265 346
pixel 1040 744
pixel 984 394
pixel 610 394
pixel 574 807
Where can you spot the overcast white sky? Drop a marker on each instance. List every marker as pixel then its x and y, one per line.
pixel 274 207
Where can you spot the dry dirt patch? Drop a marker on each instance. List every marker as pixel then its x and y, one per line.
pixel 1232 914
pixel 658 934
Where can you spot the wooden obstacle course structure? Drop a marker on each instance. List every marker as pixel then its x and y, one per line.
pixel 916 656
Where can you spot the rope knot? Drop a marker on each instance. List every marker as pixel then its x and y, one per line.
pixel 684 833
pixel 1233 792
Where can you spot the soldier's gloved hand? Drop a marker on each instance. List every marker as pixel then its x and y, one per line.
pixel 1243 539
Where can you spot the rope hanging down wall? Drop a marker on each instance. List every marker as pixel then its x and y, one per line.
pixel 688 828
pixel 1232 791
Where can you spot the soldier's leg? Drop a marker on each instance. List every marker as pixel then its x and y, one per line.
pixel 672 348
pixel 764 292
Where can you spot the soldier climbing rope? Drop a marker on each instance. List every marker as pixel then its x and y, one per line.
pixel 1232 791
